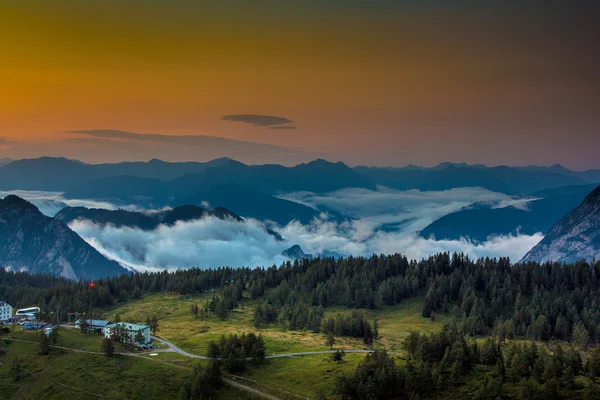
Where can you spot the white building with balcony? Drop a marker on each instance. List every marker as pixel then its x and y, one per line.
pixel 6 311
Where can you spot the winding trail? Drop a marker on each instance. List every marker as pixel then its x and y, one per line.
pixel 228 379
pixel 304 353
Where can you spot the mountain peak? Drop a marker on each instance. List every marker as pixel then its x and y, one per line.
pixel 575 237
pixel 320 162
pixel 13 200
pixel 41 244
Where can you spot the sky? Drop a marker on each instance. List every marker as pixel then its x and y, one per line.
pixel 363 82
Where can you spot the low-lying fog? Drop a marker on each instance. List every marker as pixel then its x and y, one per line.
pixel 384 221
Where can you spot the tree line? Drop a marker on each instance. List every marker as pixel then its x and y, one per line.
pixel 448 364
pixel 538 301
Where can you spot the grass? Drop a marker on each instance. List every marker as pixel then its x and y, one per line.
pixel 302 377
pixel 66 375
pixel 72 339
pixel 287 377
pixel 193 335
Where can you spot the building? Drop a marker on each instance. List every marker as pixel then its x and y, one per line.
pixel 28 314
pixel 93 325
pixel 127 332
pixel 5 311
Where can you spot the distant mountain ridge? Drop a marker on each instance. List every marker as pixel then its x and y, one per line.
pixel 41 244
pixel 252 190
pixel 575 237
pixel 319 176
pixel 502 179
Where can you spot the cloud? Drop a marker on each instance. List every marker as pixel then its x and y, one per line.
pixel 260 120
pixel 358 238
pixel 413 209
pixel 185 140
pixel 5 141
pixel 211 242
pixel 49 203
pixel 105 145
pixel 520 204
pixel 283 127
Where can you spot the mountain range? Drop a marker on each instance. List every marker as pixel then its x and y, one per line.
pixel 252 190
pixel 40 244
pixel 319 176
pixel 479 221
pixel 574 237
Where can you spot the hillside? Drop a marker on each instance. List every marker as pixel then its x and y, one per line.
pixel 36 243
pixel 193 189
pixel 481 220
pixel 141 220
pixel 415 316
pixel 574 237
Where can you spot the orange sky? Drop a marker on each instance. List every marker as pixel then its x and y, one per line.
pixel 385 83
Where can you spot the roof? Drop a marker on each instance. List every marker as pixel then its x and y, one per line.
pixel 129 326
pixel 95 322
pixel 3 303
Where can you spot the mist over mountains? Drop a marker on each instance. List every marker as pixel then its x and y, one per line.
pixel 161 215
pixel 34 242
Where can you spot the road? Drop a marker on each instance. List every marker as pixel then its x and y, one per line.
pixel 305 353
pixel 177 349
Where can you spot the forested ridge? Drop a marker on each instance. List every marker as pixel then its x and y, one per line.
pixel 542 302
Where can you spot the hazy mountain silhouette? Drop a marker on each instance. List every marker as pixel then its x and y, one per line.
pixel 193 189
pixel 509 180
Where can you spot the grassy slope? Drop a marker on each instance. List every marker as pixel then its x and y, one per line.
pixel 161 375
pixel 178 325
pixel 67 375
pixel 288 377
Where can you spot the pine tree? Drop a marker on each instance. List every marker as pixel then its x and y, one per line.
pixel 581 337
pixel 108 347
pixel 154 325
pixel 44 344
pixel 330 340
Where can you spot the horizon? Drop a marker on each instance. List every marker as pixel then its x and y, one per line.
pixel 440 164
pixel 381 83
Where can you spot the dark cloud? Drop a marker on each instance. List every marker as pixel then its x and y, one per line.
pixel 5 141
pixel 283 127
pixel 258 120
pixel 106 145
pixel 185 140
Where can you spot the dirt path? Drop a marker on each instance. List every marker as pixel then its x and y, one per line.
pixel 304 353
